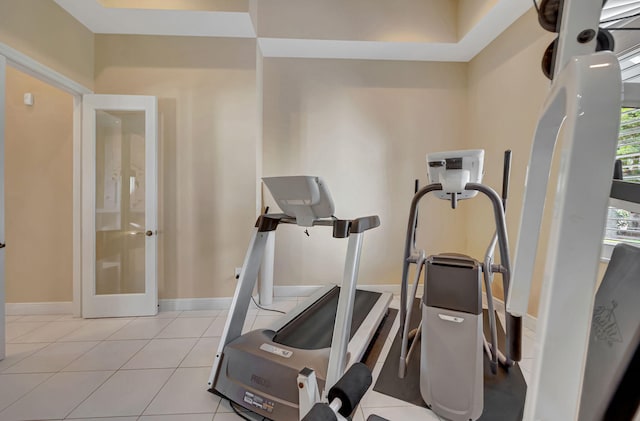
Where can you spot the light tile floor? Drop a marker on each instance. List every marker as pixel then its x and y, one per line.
pixel 143 369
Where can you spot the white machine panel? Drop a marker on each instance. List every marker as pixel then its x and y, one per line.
pixel 454 169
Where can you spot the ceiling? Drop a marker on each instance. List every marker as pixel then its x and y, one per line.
pixel 101 19
pixel 419 30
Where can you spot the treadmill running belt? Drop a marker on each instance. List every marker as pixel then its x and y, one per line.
pixel 313 328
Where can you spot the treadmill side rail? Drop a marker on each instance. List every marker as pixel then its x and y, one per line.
pixel 241 298
pixel 285 319
pixel 364 335
pixel 344 314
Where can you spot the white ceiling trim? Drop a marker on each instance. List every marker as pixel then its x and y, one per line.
pixel 365 50
pixel 106 20
pixel 499 18
pixel 494 23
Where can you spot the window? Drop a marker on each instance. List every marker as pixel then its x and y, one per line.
pixel 624 225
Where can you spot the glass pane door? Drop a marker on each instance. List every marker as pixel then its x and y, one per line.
pixel 120 190
pixel 120 142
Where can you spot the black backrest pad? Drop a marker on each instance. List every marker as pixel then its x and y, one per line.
pixel 614 340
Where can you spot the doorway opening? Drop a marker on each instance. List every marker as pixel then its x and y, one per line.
pixel 38 195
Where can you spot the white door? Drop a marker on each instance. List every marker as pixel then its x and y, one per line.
pixel 119 215
pixel 3 68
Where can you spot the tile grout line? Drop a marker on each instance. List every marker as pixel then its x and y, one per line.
pixel 112 374
pixel 57 340
pixel 101 384
pixel 166 327
pixel 28 332
pixel 144 346
pixel 81 355
pixel 108 378
pixel 171 375
pixel 209 326
pixel 140 318
pixel 28 391
pixel 83 324
pixel 90 394
pixel 119 329
pixel 158 392
pixel 25 357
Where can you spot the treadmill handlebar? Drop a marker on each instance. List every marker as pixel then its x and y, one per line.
pixel 365 223
pixel 266 223
pixel 341 227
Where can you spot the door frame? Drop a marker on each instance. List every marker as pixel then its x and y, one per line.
pixel 114 304
pixel 26 64
pixel 3 323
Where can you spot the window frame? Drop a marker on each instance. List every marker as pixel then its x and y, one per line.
pixel 618 197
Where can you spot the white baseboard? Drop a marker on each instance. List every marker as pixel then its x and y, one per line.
pixel 307 290
pixel 294 290
pixel 528 320
pixel 282 291
pixel 21 309
pixel 221 303
pixel 187 304
pixel 393 289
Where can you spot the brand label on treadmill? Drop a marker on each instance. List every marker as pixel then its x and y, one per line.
pixel 258 402
pixel 451 318
pixel 285 353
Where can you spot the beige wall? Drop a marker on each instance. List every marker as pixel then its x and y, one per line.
pixel 253 13
pixel 506 92
pixel 45 32
pixel 206 89
pixel 38 191
pixel 470 12
pixel 363 20
pixel 365 127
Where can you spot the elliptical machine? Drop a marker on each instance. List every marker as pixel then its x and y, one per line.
pixel 451 327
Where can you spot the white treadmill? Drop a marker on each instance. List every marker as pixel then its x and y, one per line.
pixel 281 371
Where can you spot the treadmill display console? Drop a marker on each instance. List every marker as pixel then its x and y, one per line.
pixel 285 353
